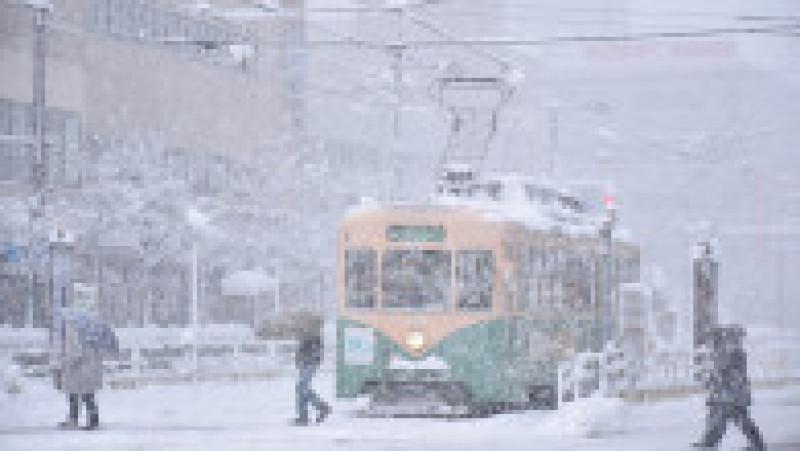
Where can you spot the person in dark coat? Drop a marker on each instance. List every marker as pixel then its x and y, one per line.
pixel 80 375
pixel 729 389
pixel 308 359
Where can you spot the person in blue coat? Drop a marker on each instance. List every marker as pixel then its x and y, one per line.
pixel 729 396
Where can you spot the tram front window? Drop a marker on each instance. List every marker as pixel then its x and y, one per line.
pixel 415 279
pixel 359 276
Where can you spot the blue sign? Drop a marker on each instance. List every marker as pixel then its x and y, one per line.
pixel 359 345
pixel 12 253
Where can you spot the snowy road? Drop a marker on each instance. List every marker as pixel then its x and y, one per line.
pixel 254 415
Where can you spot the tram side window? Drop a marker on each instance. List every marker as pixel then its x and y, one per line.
pixel 578 281
pixel 416 279
pixel 360 277
pixel 560 279
pixel 475 272
pixel 551 286
pixel 524 282
pixel 530 273
pixel 540 266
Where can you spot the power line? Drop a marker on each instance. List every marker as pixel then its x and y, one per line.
pixel 791 30
pixel 424 23
pixel 780 30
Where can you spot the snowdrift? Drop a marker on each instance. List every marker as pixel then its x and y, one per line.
pixel 595 416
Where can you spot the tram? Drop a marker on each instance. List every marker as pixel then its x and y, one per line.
pixel 465 304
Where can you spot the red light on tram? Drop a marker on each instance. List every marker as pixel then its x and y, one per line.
pixel 609 201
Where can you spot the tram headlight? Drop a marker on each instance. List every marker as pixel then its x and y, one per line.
pixel 415 340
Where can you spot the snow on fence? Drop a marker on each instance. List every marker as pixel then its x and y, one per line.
pixel 180 354
pixel 165 354
pixel 666 372
pixel 592 372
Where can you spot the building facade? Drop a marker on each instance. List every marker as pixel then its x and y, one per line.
pixel 120 70
pixel 115 68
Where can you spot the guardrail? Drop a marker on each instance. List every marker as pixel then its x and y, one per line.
pixel 659 375
pixel 168 355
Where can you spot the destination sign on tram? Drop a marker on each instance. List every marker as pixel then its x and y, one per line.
pixel 415 233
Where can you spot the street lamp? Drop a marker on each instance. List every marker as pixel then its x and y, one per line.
pixel 199 226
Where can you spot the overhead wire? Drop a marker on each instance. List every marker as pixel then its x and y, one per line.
pixel 643 36
pixel 426 24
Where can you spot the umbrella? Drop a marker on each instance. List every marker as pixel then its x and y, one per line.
pixel 92 330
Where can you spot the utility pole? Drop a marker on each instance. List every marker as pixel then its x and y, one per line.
pixel 40 175
pixel 38 94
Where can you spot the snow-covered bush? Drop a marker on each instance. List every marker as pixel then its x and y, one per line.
pixel 595 416
pixel 12 379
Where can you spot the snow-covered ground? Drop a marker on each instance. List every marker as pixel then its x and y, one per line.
pixel 255 415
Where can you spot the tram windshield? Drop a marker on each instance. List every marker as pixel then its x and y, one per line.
pixel 416 279
pixel 359 276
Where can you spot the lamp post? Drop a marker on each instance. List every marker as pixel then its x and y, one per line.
pixel 199 227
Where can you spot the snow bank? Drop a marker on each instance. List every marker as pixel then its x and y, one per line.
pixel 248 283
pixel 12 383
pixel 589 417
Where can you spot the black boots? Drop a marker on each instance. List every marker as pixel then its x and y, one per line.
pixel 72 420
pixel 92 415
pixel 323 413
pixel 93 422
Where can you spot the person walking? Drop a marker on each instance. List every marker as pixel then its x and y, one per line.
pixel 729 390
pixel 308 359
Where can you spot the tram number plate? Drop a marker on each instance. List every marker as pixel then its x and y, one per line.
pixel 359 346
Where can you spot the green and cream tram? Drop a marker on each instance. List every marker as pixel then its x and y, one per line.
pixel 466 304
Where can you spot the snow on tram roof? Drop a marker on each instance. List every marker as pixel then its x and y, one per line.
pixel 536 203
